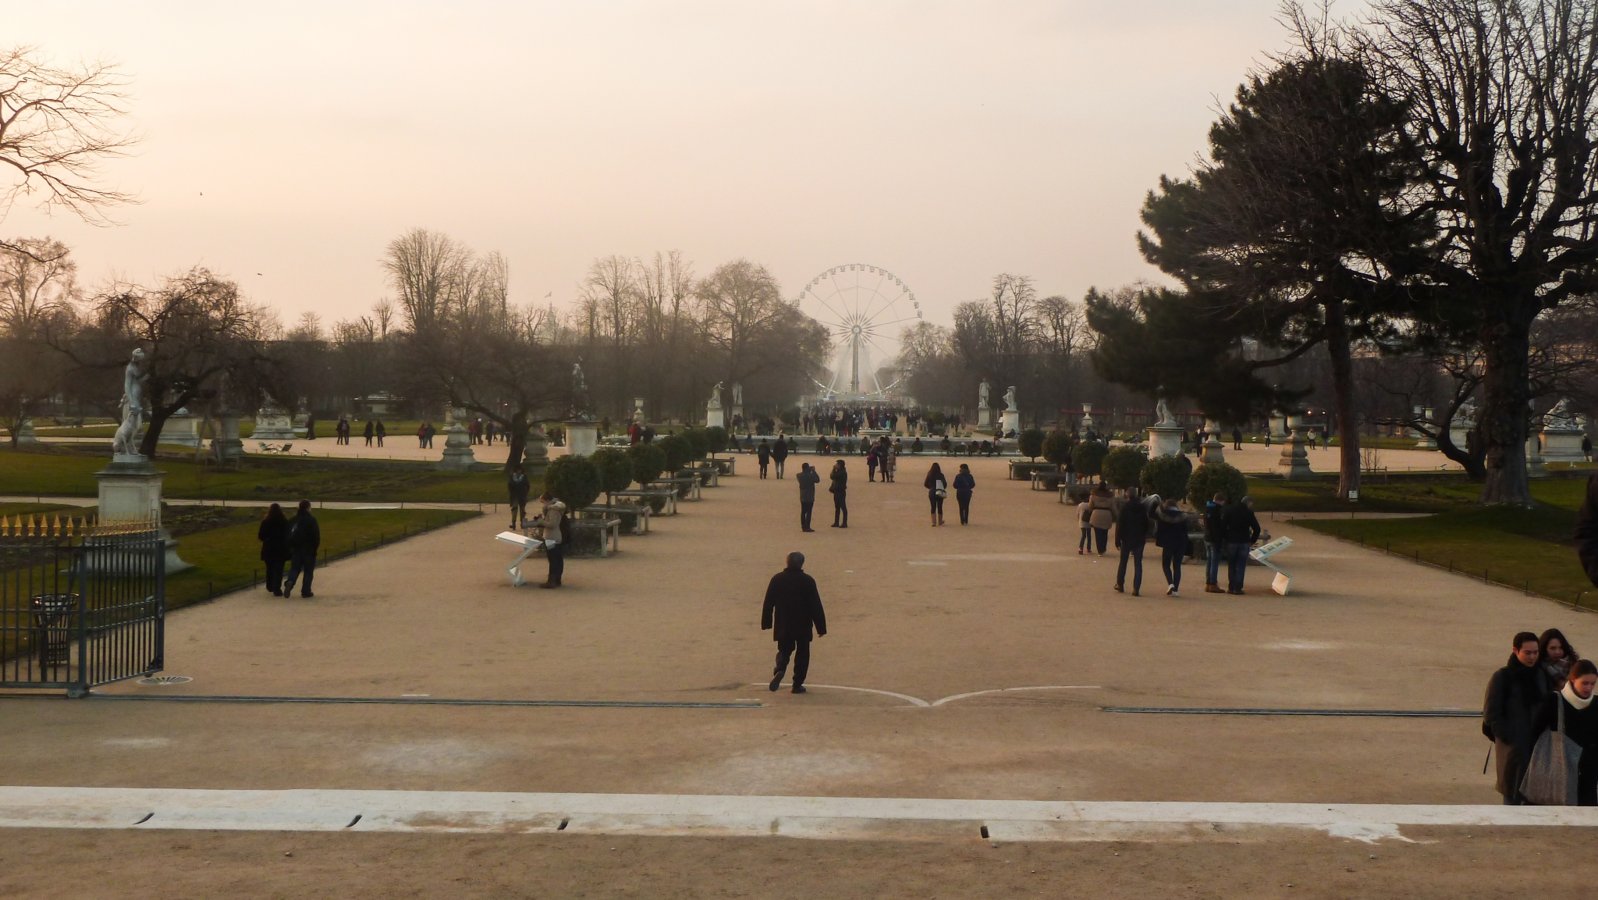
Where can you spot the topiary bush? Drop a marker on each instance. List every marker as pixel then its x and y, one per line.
pixel 677 449
pixel 1057 446
pixel 648 462
pixel 1030 443
pixel 698 440
pixel 1211 477
pixel 717 438
pixel 574 480
pixel 1166 476
pixel 1122 466
pixel 1087 458
pixel 615 470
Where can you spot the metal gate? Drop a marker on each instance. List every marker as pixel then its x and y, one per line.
pixel 80 607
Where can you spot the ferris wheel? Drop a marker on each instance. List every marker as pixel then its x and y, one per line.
pixel 863 308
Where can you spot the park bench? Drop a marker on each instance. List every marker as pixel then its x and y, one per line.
pixel 634 516
pixel 727 466
pixel 687 486
pixel 606 529
pixel 1074 492
pixel 1049 481
pixel 273 447
pixel 708 474
pixel 1262 555
pixel 668 497
pixel 1023 470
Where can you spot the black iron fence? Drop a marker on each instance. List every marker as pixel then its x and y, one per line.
pixel 80 607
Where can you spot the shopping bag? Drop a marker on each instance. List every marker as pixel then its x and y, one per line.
pixel 1551 772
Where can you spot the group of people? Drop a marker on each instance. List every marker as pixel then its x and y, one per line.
pixel 768 453
pixel 1544 686
pixel 838 486
pixel 1230 529
pixel 294 542
pixel 374 430
pixel 424 435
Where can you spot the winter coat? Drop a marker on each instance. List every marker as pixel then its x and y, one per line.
pixel 808 479
pixel 935 482
pixel 1170 529
pixel 274 537
pixel 1101 513
pixel 840 481
pixel 764 452
pixel 792 607
pixel 518 486
pixel 1212 522
pixel 1132 525
pixel 779 451
pixel 1239 525
pixel 1581 726
pixel 1509 716
pixel 964 483
pixel 305 536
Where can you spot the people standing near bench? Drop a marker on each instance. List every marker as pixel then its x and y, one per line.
pixel 1101 515
pixel 553 529
pixel 779 453
pixel 839 488
pixel 808 479
pixel 274 537
pixel 1170 535
pixel 1580 725
pixel 791 609
pixel 1239 530
pixel 1214 509
pixel 964 484
pixel 1515 695
pixel 1131 534
pixel 937 489
pixel 518 487
pixel 763 454
pixel 305 538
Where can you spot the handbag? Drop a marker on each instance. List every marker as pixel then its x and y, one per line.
pixel 1550 778
pixel 937 489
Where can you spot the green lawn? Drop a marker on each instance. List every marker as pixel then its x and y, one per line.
pixel 1426 492
pixel 70 473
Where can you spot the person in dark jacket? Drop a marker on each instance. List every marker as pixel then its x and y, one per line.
pixel 779 453
pixel 839 488
pixel 1213 511
pixel 305 537
pixel 1510 711
pixel 791 609
pixel 1239 530
pixel 1170 535
pixel 763 454
pixel 274 537
pixel 937 489
pixel 1131 533
pixel 808 479
pixel 1581 725
pixel 1587 530
pixel 964 484
pixel 517 486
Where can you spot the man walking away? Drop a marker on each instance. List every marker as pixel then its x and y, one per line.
pixel 305 537
pixel 553 529
pixel 779 452
pixel 808 479
pixel 1131 533
pixel 1213 511
pixel 1239 530
pixel 792 607
pixel 764 453
pixel 1515 694
pixel 518 488
pixel 839 489
pixel 964 484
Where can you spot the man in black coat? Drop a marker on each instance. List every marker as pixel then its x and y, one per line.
pixel 1515 695
pixel 763 452
pixel 1587 530
pixel 1131 534
pixel 305 537
pixel 1240 528
pixel 792 607
pixel 808 479
pixel 779 453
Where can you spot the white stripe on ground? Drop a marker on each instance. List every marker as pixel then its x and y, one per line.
pixel 923 704
pixel 708 814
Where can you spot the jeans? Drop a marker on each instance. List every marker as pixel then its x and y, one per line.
pixel 557 562
pixel 840 510
pixel 1212 563
pixel 1133 549
pixel 779 463
pixel 1171 565
pixel 1102 535
pixel 800 650
pixel 964 499
pixel 1236 564
pixel 301 561
pixel 804 514
pixel 1086 543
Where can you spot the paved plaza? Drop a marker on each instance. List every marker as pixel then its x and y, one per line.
pixel 963 664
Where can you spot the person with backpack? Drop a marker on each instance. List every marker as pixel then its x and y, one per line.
pixel 555 531
pixel 1170 535
pixel 1213 510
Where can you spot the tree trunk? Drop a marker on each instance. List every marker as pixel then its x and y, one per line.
pixel 1343 400
pixel 1505 394
pixel 518 439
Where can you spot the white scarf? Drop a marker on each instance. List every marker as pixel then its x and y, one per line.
pixel 1572 698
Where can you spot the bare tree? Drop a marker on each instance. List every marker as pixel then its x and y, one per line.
pixel 736 302
pixel 56 126
pixel 427 270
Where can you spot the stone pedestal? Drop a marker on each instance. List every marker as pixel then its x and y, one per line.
pixel 227 446
pixel 1562 445
pixel 535 455
pixel 1087 418
pixel 984 417
pixel 457 450
pixel 1012 422
pixel 1534 458
pixel 1294 462
pixel 130 493
pixel 1165 440
pixel 582 438
pixel 638 410
pixel 1214 449
pixel 25 434
pixel 182 429
pixel 273 424
pixel 715 417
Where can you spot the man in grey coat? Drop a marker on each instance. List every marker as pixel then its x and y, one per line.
pixel 792 608
pixel 808 479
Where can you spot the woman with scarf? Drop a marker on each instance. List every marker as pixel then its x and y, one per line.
pixel 1581 725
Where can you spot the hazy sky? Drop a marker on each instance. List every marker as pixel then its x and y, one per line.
pixel 942 141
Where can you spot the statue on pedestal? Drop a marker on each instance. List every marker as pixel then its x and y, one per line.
pixel 715 396
pixel 1560 417
pixel 1162 411
pixel 579 392
pixel 125 442
pixel 982 394
pixel 1009 398
pixel 737 393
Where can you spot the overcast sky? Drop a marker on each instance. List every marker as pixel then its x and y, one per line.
pixel 285 144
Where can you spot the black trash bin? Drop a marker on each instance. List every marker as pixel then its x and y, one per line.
pixel 53 616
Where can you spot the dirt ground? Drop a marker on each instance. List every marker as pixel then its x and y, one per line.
pixel 917 615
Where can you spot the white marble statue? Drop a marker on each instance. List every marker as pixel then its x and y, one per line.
pixel 126 439
pixel 715 396
pixel 1162 412
pixel 982 394
pixel 1009 398
pixel 1560 416
pixel 737 393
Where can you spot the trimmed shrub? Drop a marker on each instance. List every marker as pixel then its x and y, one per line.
pixel 574 480
pixel 717 437
pixel 648 462
pixel 1209 478
pixel 1122 466
pixel 1030 443
pixel 1057 446
pixel 1167 476
pixel 615 469
pixel 698 440
pixel 1087 458
pixel 677 449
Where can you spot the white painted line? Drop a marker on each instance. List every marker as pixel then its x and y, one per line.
pixel 814 817
pixel 924 704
